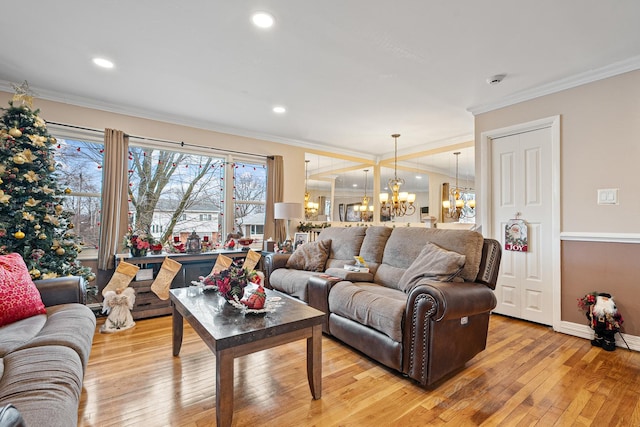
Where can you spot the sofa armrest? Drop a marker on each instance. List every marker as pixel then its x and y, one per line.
pixel 434 303
pixel 318 296
pixel 62 290
pixel 456 299
pixel 272 262
pixel 10 417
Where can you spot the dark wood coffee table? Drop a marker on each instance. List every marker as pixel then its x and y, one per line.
pixel 230 334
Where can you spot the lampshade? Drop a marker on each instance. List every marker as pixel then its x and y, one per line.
pixel 287 210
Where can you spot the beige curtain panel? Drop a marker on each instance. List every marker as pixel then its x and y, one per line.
pixel 115 198
pixel 275 183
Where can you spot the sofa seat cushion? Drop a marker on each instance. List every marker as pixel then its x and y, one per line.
pixel 16 334
pixel 292 282
pixel 44 384
pixel 369 304
pixel 68 325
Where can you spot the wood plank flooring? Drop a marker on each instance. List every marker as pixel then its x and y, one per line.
pixel 528 376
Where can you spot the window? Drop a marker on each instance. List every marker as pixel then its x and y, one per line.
pixel 169 190
pixel 171 193
pixel 250 195
pixel 79 168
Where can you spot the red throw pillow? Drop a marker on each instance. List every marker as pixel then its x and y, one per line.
pixel 19 297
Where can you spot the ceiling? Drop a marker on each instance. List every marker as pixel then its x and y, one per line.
pixel 350 73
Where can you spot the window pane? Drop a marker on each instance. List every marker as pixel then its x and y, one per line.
pixel 79 168
pixel 172 194
pixel 250 193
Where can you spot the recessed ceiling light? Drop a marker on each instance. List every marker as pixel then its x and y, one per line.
pixel 104 63
pixel 418 177
pixel 279 109
pixel 262 19
pixel 355 185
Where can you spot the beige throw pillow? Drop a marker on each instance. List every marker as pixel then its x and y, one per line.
pixel 434 263
pixel 310 256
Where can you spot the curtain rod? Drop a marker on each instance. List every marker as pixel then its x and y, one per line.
pixel 166 141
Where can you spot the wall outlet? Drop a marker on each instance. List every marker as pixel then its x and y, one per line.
pixel 608 196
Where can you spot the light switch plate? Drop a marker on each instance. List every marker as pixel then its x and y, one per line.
pixel 607 196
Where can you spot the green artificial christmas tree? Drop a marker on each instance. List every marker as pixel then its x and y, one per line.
pixel 33 221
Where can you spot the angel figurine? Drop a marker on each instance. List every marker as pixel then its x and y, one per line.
pixel 118 306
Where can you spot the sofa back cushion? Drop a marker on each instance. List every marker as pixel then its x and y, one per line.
pixel 405 244
pixel 434 263
pixel 373 245
pixel 19 297
pixel 310 256
pixel 345 244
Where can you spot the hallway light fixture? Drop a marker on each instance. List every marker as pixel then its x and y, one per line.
pixel 366 211
pixel 462 200
pixel 401 203
pixel 310 208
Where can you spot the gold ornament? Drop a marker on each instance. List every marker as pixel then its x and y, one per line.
pixel 60 251
pixel 53 140
pixel 91 277
pixel 42 236
pixel 19 159
pixel 15 132
pixel 37 227
pixel 18 235
pixel 70 225
pixel 35 273
pixel 67 190
pixel 51 168
pixel 58 209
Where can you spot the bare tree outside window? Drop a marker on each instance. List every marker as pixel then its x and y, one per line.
pixel 164 186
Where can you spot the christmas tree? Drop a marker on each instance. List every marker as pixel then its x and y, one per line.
pixel 33 220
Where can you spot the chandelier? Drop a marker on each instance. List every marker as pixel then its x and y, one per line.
pixel 310 208
pixel 401 203
pixel 366 211
pixel 462 200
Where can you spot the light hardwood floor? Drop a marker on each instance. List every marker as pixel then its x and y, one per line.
pixel 529 375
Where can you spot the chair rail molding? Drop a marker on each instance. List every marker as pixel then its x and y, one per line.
pixel 582 236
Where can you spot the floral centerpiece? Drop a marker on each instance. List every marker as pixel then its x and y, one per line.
pixel 138 242
pixel 231 284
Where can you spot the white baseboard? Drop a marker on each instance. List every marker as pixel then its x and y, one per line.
pixel 583 331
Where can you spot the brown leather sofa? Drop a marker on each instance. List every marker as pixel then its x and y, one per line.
pixel 425 330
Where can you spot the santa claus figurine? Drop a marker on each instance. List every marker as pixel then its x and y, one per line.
pixel 604 319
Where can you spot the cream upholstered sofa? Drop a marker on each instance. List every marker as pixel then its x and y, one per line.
pixel 43 357
pixel 422 309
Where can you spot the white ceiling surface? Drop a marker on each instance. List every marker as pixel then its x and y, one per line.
pixel 350 73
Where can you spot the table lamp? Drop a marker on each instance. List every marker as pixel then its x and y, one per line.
pixel 286 210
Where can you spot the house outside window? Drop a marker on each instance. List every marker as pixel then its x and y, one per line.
pixel 250 194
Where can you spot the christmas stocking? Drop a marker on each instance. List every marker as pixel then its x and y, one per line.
pixel 167 272
pixel 121 277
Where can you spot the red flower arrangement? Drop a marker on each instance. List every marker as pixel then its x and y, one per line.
pixel 232 282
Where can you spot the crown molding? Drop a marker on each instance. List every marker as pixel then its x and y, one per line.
pixel 621 67
pixel 83 102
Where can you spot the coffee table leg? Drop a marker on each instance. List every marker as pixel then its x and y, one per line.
pixel 314 362
pixel 178 328
pixel 224 387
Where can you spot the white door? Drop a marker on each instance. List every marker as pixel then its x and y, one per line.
pixel 521 175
